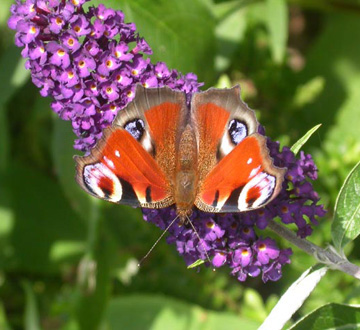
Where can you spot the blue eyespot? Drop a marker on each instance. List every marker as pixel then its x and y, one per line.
pixel 237 131
pixel 136 128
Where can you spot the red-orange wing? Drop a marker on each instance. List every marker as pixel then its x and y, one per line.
pixel 127 166
pixel 235 170
pixel 243 180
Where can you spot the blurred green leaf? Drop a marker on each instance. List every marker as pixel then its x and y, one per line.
pixel 277 22
pixel 346 224
pixel 95 283
pixel 298 144
pixel 180 33
pixel 331 316
pixel 41 216
pixel 12 67
pixel 309 91
pixel 196 263
pixel 4 324
pixel 337 106
pixel 31 317
pixel 229 32
pixel 63 152
pixel 4 139
pixel 62 250
pixel 254 305
pixel 5 11
pixel 140 312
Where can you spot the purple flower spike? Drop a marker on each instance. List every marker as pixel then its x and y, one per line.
pixel 81 49
pixel 89 63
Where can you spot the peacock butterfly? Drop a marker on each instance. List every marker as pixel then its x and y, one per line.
pixel 158 152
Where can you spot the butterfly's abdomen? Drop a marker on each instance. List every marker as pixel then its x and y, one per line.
pixel 186 176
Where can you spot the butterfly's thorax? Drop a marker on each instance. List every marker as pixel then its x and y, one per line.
pixel 186 177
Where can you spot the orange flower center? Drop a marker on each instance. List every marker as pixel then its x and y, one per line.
pixel 210 224
pixel 246 230
pixel 61 52
pixel 58 21
pixel 262 247
pixel 284 209
pixel 244 252
pixel 33 30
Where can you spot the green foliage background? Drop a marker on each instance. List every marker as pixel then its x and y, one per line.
pixel 68 261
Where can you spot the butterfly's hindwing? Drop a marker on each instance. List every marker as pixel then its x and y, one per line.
pixel 243 180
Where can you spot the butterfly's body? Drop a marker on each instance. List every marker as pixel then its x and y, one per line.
pixel 185 176
pixel 158 152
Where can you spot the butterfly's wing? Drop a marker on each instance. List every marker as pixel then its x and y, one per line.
pixel 236 172
pixel 134 161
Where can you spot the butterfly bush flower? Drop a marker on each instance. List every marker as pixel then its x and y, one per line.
pixel 89 63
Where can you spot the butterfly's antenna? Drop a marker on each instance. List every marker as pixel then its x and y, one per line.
pixel 157 241
pixel 200 241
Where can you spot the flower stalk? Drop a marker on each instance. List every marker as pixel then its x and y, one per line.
pixel 328 256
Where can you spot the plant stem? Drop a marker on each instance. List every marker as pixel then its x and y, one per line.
pixel 327 256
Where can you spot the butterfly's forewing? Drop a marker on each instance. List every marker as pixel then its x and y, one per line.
pixel 212 112
pixel 237 173
pixel 127 166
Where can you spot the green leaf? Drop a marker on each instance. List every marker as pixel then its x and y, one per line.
pixel 180 33
pixel 346 223
pixel 336 107
pixel 5 11
pixel 12 67
pixel 293 298
pixel 277 22
pixel 330 316
pixel 4 324
pixel 31 316
pixel 196 263
pixel 157 312
pixel 308 92
pixel 4 140
pixel 298 144
pixel 94 287
pixel 230 31
pixel 41 218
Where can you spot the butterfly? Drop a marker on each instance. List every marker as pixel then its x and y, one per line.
pixel 159 152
